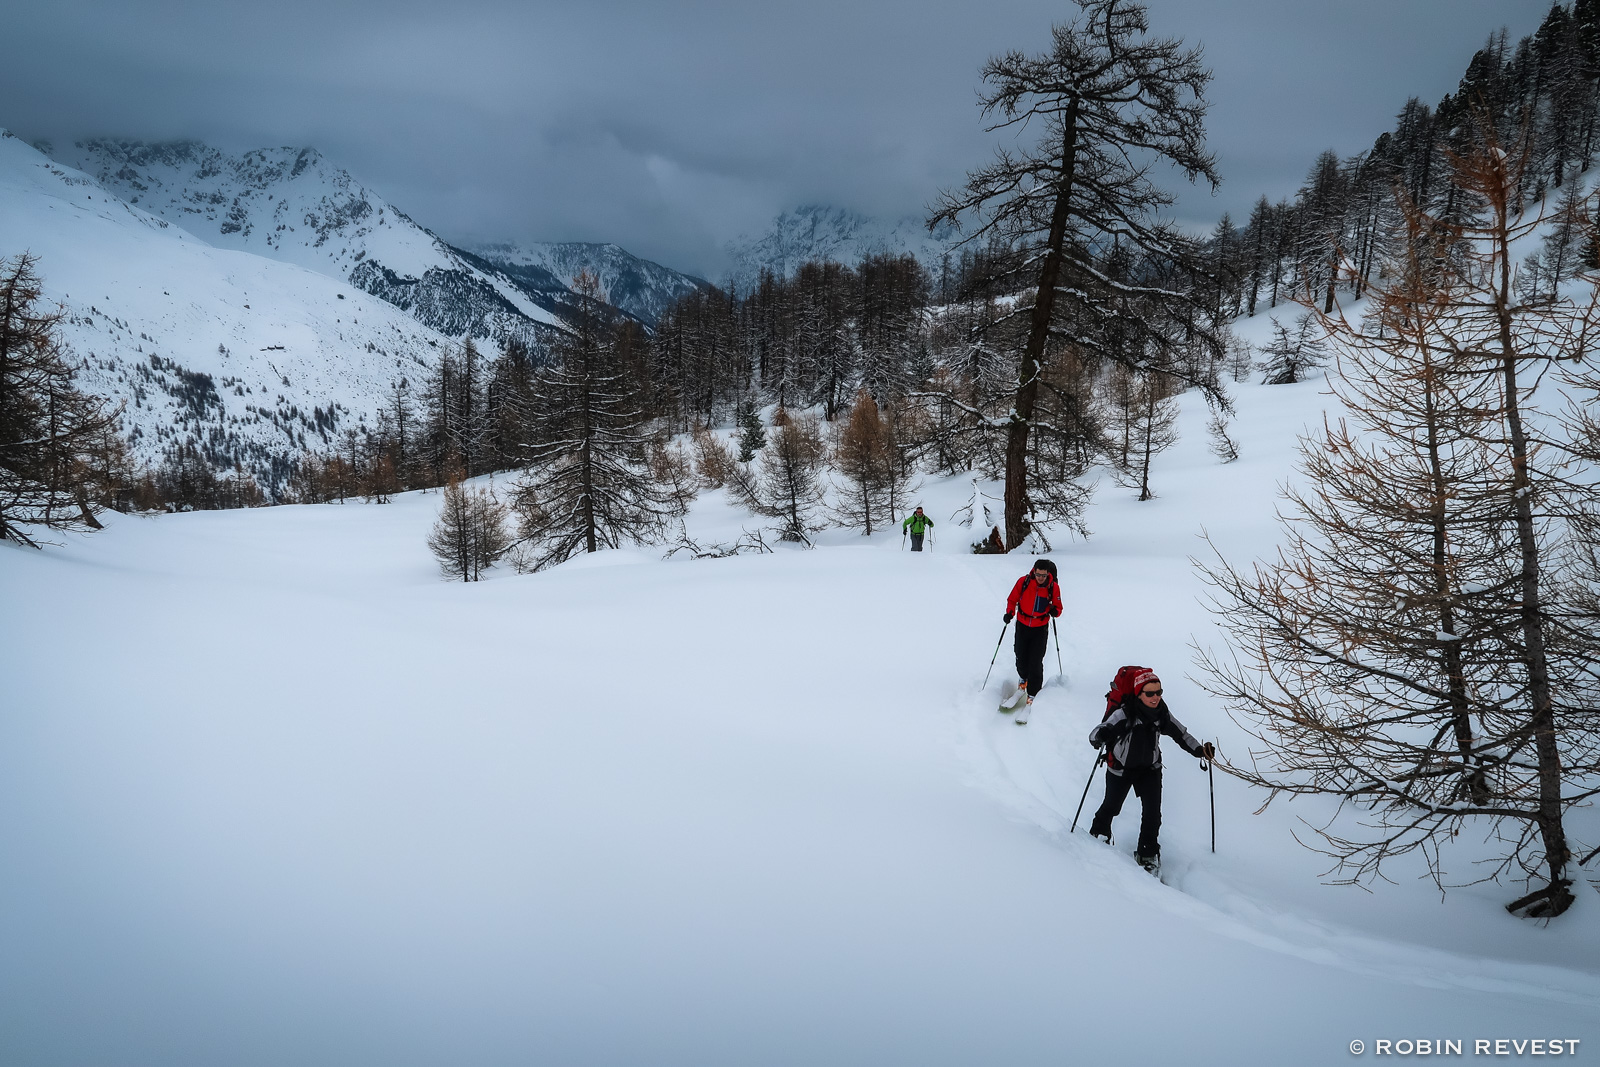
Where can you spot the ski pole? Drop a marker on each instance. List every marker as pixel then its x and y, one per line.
pixel 996 655
pixel 1211 782
pixel 902 538
pixel 1098 757
pixel 1061 672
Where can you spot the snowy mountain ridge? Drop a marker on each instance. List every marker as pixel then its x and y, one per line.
pixel 639 287
pixel 820 232
pixel 293 205
pixel 247 358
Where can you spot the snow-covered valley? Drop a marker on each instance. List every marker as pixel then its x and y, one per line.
pixel 272 792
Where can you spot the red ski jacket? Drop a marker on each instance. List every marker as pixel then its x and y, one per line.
pixel 1034 605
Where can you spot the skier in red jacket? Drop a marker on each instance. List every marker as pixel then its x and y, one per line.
pixel 1034 600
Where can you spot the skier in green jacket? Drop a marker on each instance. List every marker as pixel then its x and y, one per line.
pixel 918 524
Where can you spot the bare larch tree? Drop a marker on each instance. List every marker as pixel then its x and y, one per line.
pixel 55 442
pixel 1410 652
pixel 470 533
pixel 1109 103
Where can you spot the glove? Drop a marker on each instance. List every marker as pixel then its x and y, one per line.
pixel 1208 751
pixel 1008 617
pixel 1055 613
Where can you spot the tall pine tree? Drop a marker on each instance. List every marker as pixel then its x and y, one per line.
pixel 587 485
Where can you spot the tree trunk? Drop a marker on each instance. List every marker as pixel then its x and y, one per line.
pixel 1149 437
pixel 1016 501
pixel 1333 278
pixel 1472 776
pixel 586 458
pixel 1542 716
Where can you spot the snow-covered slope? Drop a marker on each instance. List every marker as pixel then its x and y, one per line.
pixel 777 822
pixel 819 232
pixel 251 358
pixel 637 286
pixel 292 204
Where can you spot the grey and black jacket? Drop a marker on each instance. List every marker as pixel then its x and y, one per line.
pixel 1132 732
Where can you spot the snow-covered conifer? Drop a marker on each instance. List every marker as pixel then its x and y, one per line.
pixel 752 435
pixel 1293 351
pixel 675 472
pixel 1240 360
pixel 1322 219
pixel 401 415
pixel 587 485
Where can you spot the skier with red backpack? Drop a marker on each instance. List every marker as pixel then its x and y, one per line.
pixel 1136 717
pixel 1034 600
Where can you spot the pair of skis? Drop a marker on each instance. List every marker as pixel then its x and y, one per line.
pixel 1009 701
pixel 1017 701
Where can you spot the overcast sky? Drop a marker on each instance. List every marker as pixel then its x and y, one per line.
pixel 670 126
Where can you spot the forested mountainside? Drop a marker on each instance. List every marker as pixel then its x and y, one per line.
pixel 1539 96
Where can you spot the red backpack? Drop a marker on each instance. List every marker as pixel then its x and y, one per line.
pixel 1121 688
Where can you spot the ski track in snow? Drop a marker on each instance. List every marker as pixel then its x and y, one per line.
pixel 1033 775
pixel 1037 771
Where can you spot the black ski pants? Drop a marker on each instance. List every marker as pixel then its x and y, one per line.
pixel 1146 785
pixel 1030 646
pixel 916 542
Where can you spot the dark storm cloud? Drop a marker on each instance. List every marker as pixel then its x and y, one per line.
pixel 669 127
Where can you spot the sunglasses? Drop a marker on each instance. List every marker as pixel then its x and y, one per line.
pixel 1151 692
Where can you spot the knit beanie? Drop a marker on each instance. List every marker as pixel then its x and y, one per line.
pixel 1142 679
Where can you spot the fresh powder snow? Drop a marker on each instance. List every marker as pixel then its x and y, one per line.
pixel 272 792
